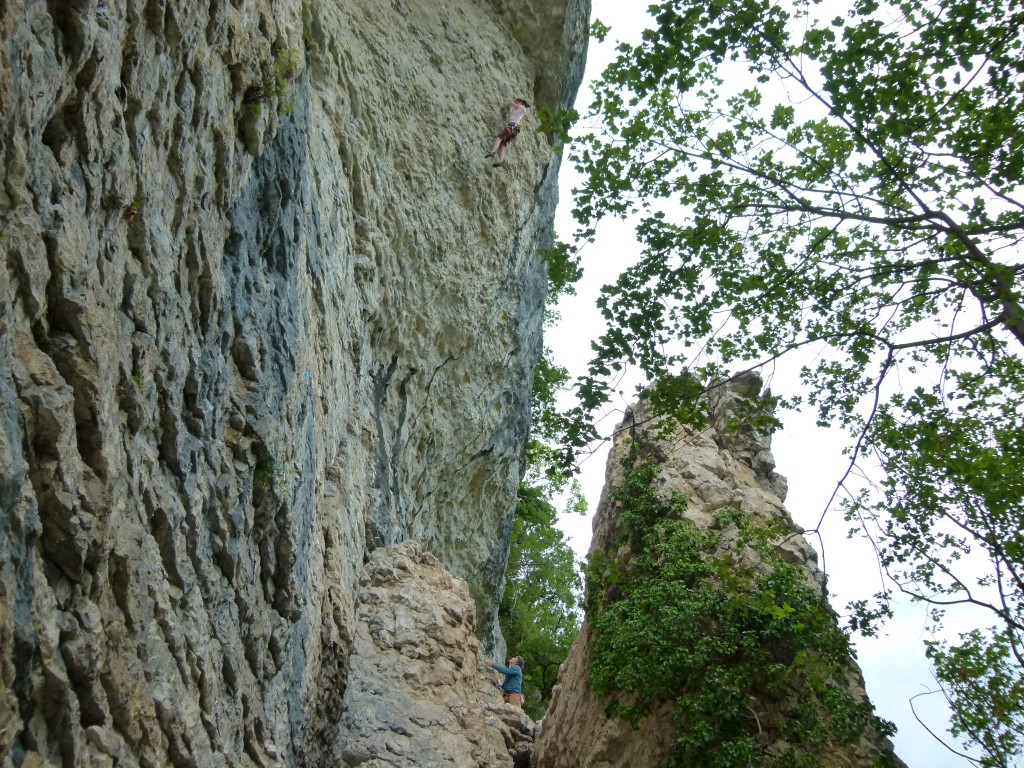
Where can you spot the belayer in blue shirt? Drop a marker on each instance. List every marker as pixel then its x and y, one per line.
pixel 512 688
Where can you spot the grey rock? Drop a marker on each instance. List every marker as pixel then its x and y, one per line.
pixel 261 313
pixel 717 467
pixel 429 702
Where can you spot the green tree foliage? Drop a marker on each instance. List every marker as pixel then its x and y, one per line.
pixel 747 655
pixel 849 183
pixel 539 611
pixel 950 521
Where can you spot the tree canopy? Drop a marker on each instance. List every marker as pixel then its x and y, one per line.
pixel 540 608
pixel 539 611
pixel 848 184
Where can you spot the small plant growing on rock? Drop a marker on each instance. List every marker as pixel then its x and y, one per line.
pixel 131 211
pixel 278 76
pixel 269 475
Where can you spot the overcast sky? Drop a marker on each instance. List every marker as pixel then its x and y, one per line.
pixel 810 457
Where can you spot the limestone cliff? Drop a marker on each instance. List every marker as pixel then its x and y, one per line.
pixel 262 311
pixel 714 468
pixel 420 695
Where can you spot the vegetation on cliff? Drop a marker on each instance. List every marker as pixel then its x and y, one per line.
pixel 848 184
pixel 746 653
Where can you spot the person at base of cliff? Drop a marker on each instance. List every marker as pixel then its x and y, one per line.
pixel 508 134
pixel 512 688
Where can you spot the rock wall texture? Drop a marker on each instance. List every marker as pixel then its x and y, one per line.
pixel 715 468
pixel 262 311
pixel 420 695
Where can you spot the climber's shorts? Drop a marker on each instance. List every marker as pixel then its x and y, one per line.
pixel 516 699
pixel 508 135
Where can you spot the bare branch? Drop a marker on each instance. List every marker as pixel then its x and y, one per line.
pixel 932 733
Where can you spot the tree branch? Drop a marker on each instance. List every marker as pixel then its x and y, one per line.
pixel 932 733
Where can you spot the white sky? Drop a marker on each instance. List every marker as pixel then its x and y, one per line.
pixel 810 457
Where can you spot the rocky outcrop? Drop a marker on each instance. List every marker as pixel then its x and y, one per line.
pixel 262 311
pixel 420 695
pixel 715 468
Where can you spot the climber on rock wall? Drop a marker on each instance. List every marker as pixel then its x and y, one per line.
pixel 512 688
pixel 508 134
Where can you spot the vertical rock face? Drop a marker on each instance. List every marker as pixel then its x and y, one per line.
pixel 420 695
pixel 715 469
pixel 262 311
